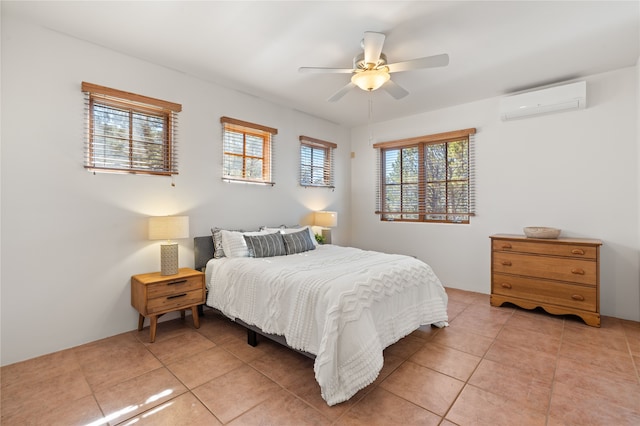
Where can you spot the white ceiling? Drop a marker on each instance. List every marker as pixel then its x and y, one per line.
pixel 256 47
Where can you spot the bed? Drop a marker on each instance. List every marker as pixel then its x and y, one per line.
pixel 340 305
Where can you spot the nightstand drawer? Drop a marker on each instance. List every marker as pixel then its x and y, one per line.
pixel 546 292
pixel 175 301
pixel 174 286
pixel 572 270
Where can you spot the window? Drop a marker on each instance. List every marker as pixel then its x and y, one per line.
pixel 427 178
pixel 247 151
pixel 129 133
pixel 316 162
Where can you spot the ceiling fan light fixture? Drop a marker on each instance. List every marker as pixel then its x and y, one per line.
pixel 370 80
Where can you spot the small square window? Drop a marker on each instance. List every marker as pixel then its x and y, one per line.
pixel 316 162
pixel 247 151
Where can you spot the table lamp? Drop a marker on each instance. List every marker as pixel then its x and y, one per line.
pixel 168 228
pixel 326 220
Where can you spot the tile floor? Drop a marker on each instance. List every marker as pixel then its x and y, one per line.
pixel 497 366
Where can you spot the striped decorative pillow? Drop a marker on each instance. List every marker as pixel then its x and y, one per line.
pixel 265 245
pixel 233 243
pixel 298 242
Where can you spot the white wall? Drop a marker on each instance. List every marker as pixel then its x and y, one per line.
pixel 577 171
pixel 71 240
pixel 638 157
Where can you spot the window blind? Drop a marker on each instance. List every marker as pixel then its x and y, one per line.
pixel 317 162
pixel 429 178
pixel 129 133
pixel 247 151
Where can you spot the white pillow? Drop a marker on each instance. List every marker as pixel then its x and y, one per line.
pixel 234 245
pixel 292 230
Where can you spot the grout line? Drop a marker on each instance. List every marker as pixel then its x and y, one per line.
pixel 466 382
pixel 555 369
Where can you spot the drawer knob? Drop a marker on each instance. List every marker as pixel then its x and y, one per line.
pixel 577 271
pixel 505 285
pixel 577 251
pixel 506 263
pixel 177 282
pixel 175 296
pixel 506 246
pixel 578 297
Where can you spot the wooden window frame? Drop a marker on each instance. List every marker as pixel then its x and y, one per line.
pixel 423 214
pixel 245 128
pixel 327 149
pixel 130 104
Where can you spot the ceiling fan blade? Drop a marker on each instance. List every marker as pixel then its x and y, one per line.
pixel 372 45
pixel 340 93
pixel 312 70
pixel 426 62
pixel 395 90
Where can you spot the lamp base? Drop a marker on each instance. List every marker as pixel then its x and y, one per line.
pixel 326 234
pixel 169 259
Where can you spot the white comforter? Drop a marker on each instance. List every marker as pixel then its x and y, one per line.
pixel 342 304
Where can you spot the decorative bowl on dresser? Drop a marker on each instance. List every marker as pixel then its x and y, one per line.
pixel 541 232
pixel 562 276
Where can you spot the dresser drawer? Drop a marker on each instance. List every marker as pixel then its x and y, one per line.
pixel 175 301
pixel 547 292
pixel 572 270
pixel 173 286
pixel 551 249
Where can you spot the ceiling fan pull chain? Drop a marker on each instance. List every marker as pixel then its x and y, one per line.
pixel 370 118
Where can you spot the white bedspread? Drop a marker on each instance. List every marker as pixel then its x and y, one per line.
pixel 342 304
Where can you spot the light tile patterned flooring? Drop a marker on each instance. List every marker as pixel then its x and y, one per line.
pixel 494 366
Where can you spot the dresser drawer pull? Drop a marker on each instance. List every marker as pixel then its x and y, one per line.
pixel 506 263
pixel 175 296
pixel 577 271
pixel 177 282
pixel 577 297
pixel 506 246
pixel 505 285
pixel 577 251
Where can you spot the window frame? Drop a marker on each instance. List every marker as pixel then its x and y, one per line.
pixel 327 148
pixel 245 128
pixel 423 213
pixel 130 105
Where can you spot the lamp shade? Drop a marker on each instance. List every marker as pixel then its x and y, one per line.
pixel 326 219
pixel 370 79
pixel 168 227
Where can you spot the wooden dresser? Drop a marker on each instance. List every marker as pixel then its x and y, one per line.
pixel 562 276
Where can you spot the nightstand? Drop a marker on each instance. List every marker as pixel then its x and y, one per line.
pixel 153 295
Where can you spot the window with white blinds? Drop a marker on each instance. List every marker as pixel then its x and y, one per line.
pixel 247 151
pixel 316 162
pixel 129 133
pixel 427 179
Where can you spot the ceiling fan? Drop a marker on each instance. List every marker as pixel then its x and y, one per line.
pixel 371 70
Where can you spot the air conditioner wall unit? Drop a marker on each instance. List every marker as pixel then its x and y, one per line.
pixel 545 101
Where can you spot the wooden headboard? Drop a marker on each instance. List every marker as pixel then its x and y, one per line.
pixel 202 251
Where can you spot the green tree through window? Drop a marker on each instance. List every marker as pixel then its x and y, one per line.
pixel 316 162
pixel 129 133
pixel 247 151
pixel 427 179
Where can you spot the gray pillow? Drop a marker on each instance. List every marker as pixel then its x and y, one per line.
pixel 218 252
pixel 216 234
pixel 298 242
pixel 268 245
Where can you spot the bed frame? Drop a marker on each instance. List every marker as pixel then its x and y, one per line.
pixel 203 252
